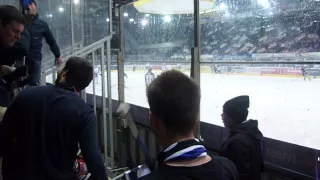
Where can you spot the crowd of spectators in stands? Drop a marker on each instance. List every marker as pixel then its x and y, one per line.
pixel 283 32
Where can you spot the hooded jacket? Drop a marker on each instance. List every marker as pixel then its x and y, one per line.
pixel 243 148
pixel 38 30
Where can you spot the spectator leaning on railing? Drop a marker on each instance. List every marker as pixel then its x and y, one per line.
pixel 43 126
pixel 243 146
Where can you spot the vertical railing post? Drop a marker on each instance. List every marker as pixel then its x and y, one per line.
pixel 110 117
pixel 94 84
pixel 72 28
pixel 195 58
pixel 104 105
pixel 54 73
pixel 121 59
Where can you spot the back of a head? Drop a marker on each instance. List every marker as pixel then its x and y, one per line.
pixel 10 13
pixel 175 99
pixel 79 73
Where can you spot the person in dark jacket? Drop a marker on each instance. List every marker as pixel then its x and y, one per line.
pixel 43 126
pixel 11 25
pixel 16 52
pixel 38 30
pixel 243 146
pixel 174 101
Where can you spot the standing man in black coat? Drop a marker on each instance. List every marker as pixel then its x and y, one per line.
pixel 11 25
pixel 243 146
pixel 38 30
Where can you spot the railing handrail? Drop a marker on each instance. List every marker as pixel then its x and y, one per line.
pixel 49 61
pixel 82 52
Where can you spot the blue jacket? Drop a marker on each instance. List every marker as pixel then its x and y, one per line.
pixel 38 30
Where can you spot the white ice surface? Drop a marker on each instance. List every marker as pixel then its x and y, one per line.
pixel 287 108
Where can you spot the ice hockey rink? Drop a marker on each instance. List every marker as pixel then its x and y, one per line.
pixel 287 108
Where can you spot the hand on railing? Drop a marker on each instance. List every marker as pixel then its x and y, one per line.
pixel 58 61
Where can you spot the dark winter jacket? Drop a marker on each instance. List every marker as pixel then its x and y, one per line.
pixel 217 168
pixel 40 133
pixel 243 148
pixel 38 30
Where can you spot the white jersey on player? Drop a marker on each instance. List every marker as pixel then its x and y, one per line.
pixel 96 69
pixel 164 68
pixel 149 77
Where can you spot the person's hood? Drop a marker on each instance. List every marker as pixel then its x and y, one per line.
pixel 249 127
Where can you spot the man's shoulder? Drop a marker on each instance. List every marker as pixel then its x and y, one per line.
pixel 40 20
pixel 33 90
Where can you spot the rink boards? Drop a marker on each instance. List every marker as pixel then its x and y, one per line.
pixel 278 153
pixel 286 157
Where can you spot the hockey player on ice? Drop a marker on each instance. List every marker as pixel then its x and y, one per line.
pixel 134 67
pixel 149 77
pixel 125 79
pixel 96 72
pixel 304 73
pixel 164 68
pixel 148 66
pixel 179 67
pixel 229 70
pixel 213 69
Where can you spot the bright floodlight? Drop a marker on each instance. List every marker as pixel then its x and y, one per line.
pixel 61 9
pixel 264 3
pixel 167 19
pixel 125 14
pixel 107 19
pixel 131 19
pixel 50 15
pixel 147 15
pixel 76 1
pixel 144 22
pixel 222 6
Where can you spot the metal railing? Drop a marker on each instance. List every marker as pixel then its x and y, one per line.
pixel 100 50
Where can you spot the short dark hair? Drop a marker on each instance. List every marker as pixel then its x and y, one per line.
pixel 175 99
pixel 10 13
pixel 79 73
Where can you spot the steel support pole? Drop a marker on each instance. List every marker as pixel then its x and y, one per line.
pixel 110 117
pixel 54 74
pixel 195 60
pixel 120 60
pixel 94 85
pixel 110 18
pixel 104 106
pixel 72 28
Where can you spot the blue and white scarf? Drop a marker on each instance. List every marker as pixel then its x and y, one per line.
pixel 182 151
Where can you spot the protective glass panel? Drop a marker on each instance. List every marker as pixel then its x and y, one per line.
pixel 279 31
pixel 157 40
pixel 57 15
